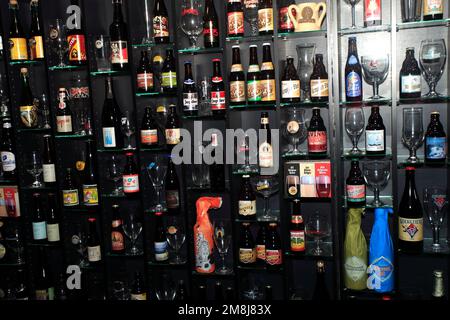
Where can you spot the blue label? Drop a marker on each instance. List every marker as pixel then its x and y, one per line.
pixel 39 230
pixel 353 85
pixel 160 247
pixel 436 148
pixel 352 60
pixel 381 275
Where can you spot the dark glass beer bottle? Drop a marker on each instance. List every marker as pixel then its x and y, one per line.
pixel 119 39
pixel 7 151
pixel 210 26
pixel 435 141
pixel 319 81
pixel 173 133
pixel 70 193
pixel 247 248
pixel 261 240
pixel 317 135
pixel 274 253
pixel 48 162
pixel 90 185
pixel 353 73
pixel 160 240
pixel 144 74
pixel 372 13
pixel 265 17
pixel 217 169
pixel 169 73
pixel 149 130
pixel 130 175
pixel 53 219
pixel 172 183
pixel 355 186
pixel 254 95
pixel 433 10
pixel 138 291
pixel 93 243
pixel 190 92
pixel 77 40
pixel 237 79
pixel 247 200
pixel 17 39
pixel 27 108
pixel 36 38
pixel 290 83
pixel 285 23
pixel 320 290
pixel 297 229
pixel 268 86
pixel 117 233
pixel 375 134
pixel 161 31
pixel 111 119
pixel 235 16
pixel 218 99
pixel 64 123
pixel 265 152
pixel 39 223
pixel 410 77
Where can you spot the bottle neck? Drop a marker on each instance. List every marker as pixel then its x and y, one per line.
pixel 217 72
pixel 253 57
pixel 118 17
pixel 188 72
pixel 352 49
pixel 236 56
pixel 438 288
pixel 267 56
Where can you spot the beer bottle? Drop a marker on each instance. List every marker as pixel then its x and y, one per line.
pixel 7 151
pixel 77 41
pixel 285 23
pixel 290 83
pixel 17 38
pixel 375 134
pixel 70 190
pixel 217 170
pixel 265 146
pixel 268 87
pixel 356 187
pixel 372 13
pixel 261 240
pixel 297 229
pixel 190 93
pixel 253 77
pixel 138 291
pixel 119 39
pixel 317 135
pixel 28 110
pixel 247 200
pixel 43 287
pixel 111 119
pixel 410 220
pixel 320 290
pixel 438 285
pixel 144 73
pixel 353 73
pixel 93 243
pixel 1 51
pixel 433 10
pixel 235 14
pixel 90 186
pixel 161 31
pixel 160 240
pixel 210 25
pixel 169 73
pixel 117 233
pixel 247 249
pixel 319 81
pixel 435 141
pixel 149 129
pixel 237 79
pixel 36 39
pixel 173 134
pixel 38 221
pixel 274 253
pixel 53 220
pixel 63 113
pixel 218 99
pixel 410 77
pixel 130 175
pixel 172 183
pixel 265 17
pixel 48 162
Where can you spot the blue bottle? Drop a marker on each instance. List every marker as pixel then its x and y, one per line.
pixel 381 254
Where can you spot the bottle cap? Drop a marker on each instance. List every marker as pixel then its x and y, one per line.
pixel 23 70
pixel 236 46
pixel 253 46
pixel 435 112
pixel 216 60
pixel 129 154
pixel 438 273
pixel 92 219
pixel 410 169
pixel 266 44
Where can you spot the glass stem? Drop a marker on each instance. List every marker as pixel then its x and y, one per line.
pixel 355 143
pixel 158 196
pixel 353 17
pixel 223 261
pixel 436 231
pixel 375 89
pixel 266 206
pixel 376 192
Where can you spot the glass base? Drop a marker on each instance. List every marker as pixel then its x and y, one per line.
pixel 135 252
pixel 376 97
pixel 267 218
pixel 37 184
pixel 294 153
pixel 224 270
pixel 177 260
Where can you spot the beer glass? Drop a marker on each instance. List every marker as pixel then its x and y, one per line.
pixel 58 42
pixel 128 129
pixel 294 129
pixel 411 10
pixel 115 174
pixel 266 186
pixel 377 174
pixel 102 53
pixel 222 240
pixel 251 15
pixel 433 56
pixel 166 288
pixel 200 172
pixel 413 134
pixel 35 168
pixel 354 125
pixel 353 3
pixel 192 20
pixel 375 71
pixel 318 228
pixel 156 171
pixel 132 228
pixel 435 204
pixel 176 236
pixel 305 53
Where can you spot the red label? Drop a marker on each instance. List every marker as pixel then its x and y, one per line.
pixel 285 21
pixel 356 193
pixel 372 10
pixel 117 241
pixel 77 47
pixel 235 23
pixel 192 11
pixel 218 100
pixel 261 252
pixel 317 141
pixel 274 257
pixel 210 31
pixel 145 80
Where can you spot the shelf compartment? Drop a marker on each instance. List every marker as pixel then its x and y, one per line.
pixel 156 94
pixel 367 103
pixel 34 130
pixel 304 156
pixel 115 150
pixel 304 34
pixel 362 30
pixel 73 136
pixel 124 255
pixel 204 117
pixel 25 62
pixel 244 39
pixel 348 156
pixel 196 51
pixel 423 24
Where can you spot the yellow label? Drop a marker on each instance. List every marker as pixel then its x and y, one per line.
pixel 18 48
pixel 29 116
pixel 319 88
pixel 36 48
pixel 268 90
pixel 247 255
pixel 265 19
pixel 410 230
pixel 90 195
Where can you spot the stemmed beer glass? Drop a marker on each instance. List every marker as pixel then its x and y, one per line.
pixel 156 171
pixel 318 228
pixel 354 125
pixel 435 203
pixel 433 56
pixel 376 69
pixel 192 20
pixel 295 129
pixel 222 240
pixel 413 134
pixel 353 3
pixel 377 174
pixel 35 168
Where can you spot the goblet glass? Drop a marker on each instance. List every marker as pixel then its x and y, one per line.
pixel 35 168
pixel 266 186
pixel 166 288
pixel 115 174
pixel 377 174
pixel 413 134
pixel 354 125
pixel 318 228
pixel 353 3
pixel 192 20
pixel 44 111
pixel 433 56
pixel 176 237
pixel 435 203
pixel 79 240
pixel 305 53
pixel 222 239
pixel 375 71
pixel 156 171
pixel 128 129
pixel 246 158
pixel 132 228
pixel 251 15
pixel 295 129
pixel 58 42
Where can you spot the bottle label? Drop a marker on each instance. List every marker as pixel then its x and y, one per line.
pixel 298 241
pixel 372 10
pixel 274 257
pixel 161 253
pixel 431 7
pixel 355 268
pixel 18 48
pixel 90 195
pixel 254 91
pixel 410 230
pixel 145 80
pixel 210 32
pixel 290 89
pixel 190 101
pixel 77 47
pixel 173 136
pixel 411 84
pixel 267 66
pixel 29 116
pixel 247 208
pixel 119 52
pixel 64 124
pixel 285 21
pixel 53 232
pixel 1 43
pixel 436 148
pixel 169 79
pixel 237 68
pixel 172 199
pixel 130 183
pixel 149 137
pixel 261 252
pixel 247 256
pixel 36 44
pixel 218 100
pixel 41 295
pixel 319 88
pixel 235 23
pixel 268 90
pixel 237 91
pixel 139 297
pixel 2 251
pixel 94 254
pixel 160 26
pixel 49 173
pixel 374 140
pixel 356 193
pixel 265 155
pixel 117 241
pixel 39 230
pixel 8 161
pixel 265 20
pixel 317 141
pixel 109 137
pixel 353 85
pixel 70 198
